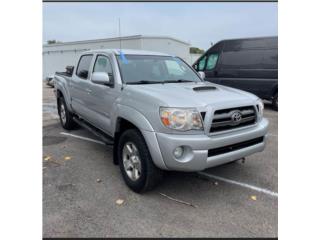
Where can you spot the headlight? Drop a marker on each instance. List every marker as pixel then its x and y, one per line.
pixel 260 107
pixel 181 118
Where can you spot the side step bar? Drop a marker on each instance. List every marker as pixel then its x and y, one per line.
pixel 104 137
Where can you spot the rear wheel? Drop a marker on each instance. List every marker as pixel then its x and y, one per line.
pixel 275 102
pixel 136 165
pixel 65 115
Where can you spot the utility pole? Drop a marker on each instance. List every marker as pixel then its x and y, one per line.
pixel 120 34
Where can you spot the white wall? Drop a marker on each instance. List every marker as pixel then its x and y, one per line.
pixel 126 43
pixel 57 56
pixel 194 57
pixel 57 61
pixel 166 45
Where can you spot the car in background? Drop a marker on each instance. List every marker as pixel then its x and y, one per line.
pixel 49 81
pixel 249 64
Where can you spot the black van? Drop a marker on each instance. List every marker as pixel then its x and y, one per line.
pixel 249 64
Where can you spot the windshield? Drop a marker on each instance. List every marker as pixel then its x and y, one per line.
pixel 145 69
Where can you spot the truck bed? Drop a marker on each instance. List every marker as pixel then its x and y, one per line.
pixel 64 74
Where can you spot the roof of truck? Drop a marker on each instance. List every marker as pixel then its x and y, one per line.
pixel 127 52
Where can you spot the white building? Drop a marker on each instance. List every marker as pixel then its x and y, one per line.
pixel 57 56
pixel 193 57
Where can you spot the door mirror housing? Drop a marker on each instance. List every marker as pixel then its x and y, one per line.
pixel 202 75
pixel 100 78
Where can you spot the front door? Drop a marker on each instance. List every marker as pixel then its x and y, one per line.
pixel 102 97
pixel 208 64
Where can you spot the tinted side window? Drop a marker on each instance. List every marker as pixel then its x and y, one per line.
pixel 212 61
pixel 83 66
pixel 202 64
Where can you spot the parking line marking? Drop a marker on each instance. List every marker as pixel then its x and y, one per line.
pixel 83 138
pixel 258 189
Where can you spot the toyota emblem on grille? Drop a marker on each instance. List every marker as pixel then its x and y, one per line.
pixel 236 117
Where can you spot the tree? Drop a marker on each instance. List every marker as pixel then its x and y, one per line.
pixel 53 41
pixel 196 50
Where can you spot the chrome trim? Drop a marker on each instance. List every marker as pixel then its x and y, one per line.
pixel 245 119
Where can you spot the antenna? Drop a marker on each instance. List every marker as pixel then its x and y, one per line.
pixel 120 33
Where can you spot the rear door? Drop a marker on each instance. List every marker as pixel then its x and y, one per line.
pixel 209 63
pixel 80 86
pixel 211 67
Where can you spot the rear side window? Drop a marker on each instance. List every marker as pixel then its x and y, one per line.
pixel 83 66
pixel 212 61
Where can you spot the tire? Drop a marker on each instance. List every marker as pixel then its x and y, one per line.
pixel 65 115
pixel 275 102
pixel 148 175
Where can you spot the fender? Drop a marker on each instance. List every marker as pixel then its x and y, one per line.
pixel 141 122
pixel 133 116
pixel 60 85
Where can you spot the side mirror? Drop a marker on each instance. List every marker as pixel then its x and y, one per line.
pixel 202 75
pixel 100 78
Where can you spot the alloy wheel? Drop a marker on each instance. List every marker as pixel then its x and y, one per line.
pixel 131 161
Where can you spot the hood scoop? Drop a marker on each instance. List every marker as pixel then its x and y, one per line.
pixel 204 88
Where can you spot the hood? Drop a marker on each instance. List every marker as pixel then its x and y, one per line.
pixel 193 94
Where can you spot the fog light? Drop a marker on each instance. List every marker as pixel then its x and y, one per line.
pixel 178 152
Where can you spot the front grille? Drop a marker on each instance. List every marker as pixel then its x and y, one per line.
pixel 234 147
pixel 224 119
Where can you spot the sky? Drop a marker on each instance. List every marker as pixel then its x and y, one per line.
pixel 200 24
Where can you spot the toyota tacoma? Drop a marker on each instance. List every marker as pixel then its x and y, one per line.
pixel 158 113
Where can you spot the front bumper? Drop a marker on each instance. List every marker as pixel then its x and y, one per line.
pixel 195 157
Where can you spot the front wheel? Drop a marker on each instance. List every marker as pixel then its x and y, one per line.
pixel 136 165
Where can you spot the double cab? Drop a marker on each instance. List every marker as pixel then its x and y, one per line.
pixel 158 113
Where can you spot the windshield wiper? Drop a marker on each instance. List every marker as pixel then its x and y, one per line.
pixel 144 82
pixel 177 81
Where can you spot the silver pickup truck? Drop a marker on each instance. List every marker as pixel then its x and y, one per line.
pixel 158 113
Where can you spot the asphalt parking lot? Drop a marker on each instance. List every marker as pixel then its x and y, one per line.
pixel 81 186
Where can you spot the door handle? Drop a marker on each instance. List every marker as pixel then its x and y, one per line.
pixel 88 90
